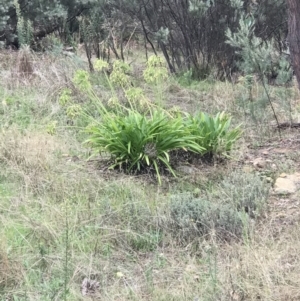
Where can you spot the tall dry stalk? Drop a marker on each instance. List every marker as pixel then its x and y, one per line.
pixel 24 62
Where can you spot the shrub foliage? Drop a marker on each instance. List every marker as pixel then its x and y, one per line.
pixel 213 133
pixel 136 141
pixel 225 212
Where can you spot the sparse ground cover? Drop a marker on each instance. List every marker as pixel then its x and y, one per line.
pixel 71 229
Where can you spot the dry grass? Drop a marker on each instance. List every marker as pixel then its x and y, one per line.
pixel 29 150
pixel 44 73
pixel 24 62
pixel 10 268
pixel 64 220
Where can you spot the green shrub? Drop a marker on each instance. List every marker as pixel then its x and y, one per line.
pixel 226 210
pixel 192 218
pixel 136 141
pixel 259 59
pixel 213 133
pixel 245 191
pixel 144 242
pixel 156 72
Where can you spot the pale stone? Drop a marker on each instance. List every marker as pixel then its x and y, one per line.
pixel 296 178
pixel 283 175
pixel 247 169
pixel 284 186
pixel 186 169
pixel 265 153
pixel 281 150
pixel 259 163
pixel 269 179
pixel 287 184
pixel 274 166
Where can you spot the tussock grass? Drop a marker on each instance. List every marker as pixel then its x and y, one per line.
pixel 45 74
pixel 63 219
pixel 24 62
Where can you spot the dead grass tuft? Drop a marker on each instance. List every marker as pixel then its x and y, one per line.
pixel 10 275
pixel 24 64
pixel 29 151
pixel 267 268
pixel 30 157
pixel 43 73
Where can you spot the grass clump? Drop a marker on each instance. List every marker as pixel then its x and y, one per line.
pixel 136 141
pixel 9 269
pixel 194 218
pixel 213 133
pixel 145 242
pixel 225 212
pixel 245 191
pixel 24 62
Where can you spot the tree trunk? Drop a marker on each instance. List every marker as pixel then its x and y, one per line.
pixel 294 35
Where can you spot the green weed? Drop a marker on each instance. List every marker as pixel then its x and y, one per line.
pixel 137 142
pixel 213 134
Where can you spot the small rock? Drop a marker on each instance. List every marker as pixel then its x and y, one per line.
pixel 283 175
pixel 265 153
pixel 186 169
pixel 287 184
pixel 259 163
pixel 247 169
pixel 274 166
pixel 68 53
pixel 281 151
pixel 296 178
pixel 284 186
pixel 269 180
